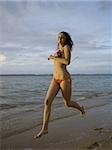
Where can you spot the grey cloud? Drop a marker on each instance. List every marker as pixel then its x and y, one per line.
pixel 32 27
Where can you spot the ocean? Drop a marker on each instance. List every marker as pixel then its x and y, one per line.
pixel 22 98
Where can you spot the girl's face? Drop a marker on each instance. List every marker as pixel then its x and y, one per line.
pixel 61 39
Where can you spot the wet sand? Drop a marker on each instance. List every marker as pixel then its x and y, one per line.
pixel 93 131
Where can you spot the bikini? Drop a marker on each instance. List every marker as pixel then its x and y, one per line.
pixel 59 81
pixel 58 53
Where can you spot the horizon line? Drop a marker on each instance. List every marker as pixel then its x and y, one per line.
pixel 34 74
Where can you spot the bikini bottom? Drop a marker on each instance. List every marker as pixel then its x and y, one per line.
pixel 59 81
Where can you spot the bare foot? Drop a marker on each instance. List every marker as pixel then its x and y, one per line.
pixel 40 134
pixel 82 112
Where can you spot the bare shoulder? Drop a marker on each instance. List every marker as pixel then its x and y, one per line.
pixel 66 48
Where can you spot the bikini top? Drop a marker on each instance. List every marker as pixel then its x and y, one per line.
pixel 58 53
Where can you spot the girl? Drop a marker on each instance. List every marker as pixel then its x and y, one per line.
pixel 61 80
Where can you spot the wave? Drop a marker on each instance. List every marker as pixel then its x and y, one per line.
pixel 4 106
pixel 7 106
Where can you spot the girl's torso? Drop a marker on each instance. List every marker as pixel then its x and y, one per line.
pixel 60 70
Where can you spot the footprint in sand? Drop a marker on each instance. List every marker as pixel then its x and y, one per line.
pixel 99 129
pixel 94 145
pixel 102 130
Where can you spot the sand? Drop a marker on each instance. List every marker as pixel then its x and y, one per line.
pixel 93 131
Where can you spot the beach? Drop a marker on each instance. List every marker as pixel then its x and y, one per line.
pixel 56 53
pixel 74 132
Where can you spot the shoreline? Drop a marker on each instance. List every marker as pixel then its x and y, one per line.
pixel 30 119
pixel 92 131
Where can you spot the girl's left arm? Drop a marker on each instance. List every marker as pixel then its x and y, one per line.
pixel 66 59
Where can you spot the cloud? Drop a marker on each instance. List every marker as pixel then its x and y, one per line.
pixel 29 32
pixel 2 58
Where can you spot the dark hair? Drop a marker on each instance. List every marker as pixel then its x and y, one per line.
pixel 68 39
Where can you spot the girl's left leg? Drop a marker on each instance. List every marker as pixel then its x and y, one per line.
pixel 66 92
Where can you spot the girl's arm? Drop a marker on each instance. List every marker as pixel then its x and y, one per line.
pixel 67 55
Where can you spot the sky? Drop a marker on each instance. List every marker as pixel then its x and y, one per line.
pixel 29 29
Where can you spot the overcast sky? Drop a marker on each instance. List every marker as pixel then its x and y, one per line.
pixel 28 35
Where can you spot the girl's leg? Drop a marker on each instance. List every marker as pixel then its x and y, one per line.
pixel 66 92
pixel 51 93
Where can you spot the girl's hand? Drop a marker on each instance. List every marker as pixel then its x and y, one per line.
pixel 51 57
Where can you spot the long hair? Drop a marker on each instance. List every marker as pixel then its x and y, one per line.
pixel 68 39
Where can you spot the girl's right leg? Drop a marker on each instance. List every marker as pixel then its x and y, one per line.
pixel 51 93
